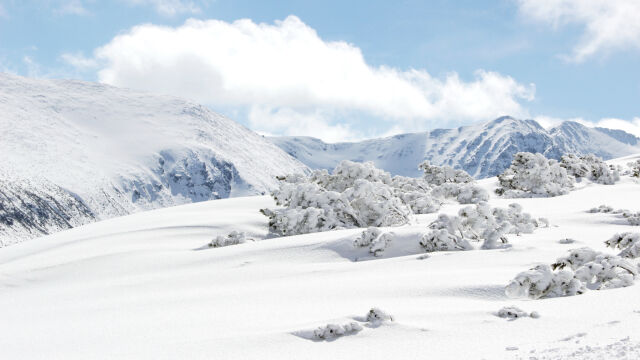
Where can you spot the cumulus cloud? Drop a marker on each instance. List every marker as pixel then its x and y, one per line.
pixel 172 7
pixel 609 25
pixel 285 72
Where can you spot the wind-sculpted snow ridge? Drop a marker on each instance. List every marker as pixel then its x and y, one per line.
pixel 119 151
pixel 482 150
pixel 360 195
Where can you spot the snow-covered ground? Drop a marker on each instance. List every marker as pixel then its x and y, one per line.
pixel 146 286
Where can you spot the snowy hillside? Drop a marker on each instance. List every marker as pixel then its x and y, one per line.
pixel 91 151
pixel 482 150
pixel 146 286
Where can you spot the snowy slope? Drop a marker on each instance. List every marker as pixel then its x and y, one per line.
pixel 144 287
pixel 118 151
pixel 482 150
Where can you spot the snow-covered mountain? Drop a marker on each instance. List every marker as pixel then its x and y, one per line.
pixel 483 150
pixel 73 152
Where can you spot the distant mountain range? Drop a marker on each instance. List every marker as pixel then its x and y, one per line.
pixel 483 150
pixel 75 152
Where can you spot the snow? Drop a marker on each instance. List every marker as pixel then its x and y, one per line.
pixel 148 286
pixel 120 151
pixel 483 149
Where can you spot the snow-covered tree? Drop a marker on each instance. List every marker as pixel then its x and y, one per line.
pixel 534 175
pixel 628 242
pixel 375 239
pixel 232 238
pixel 590 167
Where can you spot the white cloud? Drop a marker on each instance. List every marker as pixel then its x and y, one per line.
pixel 79 61
pixel 172 7
pixel 3 12
pixel 71 7
pixel 609 25
pixel 286 121
pixel 631 126
pixel 288 69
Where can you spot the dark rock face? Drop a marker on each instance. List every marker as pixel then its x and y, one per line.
pixel 28 210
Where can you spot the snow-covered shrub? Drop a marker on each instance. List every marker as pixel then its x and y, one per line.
pixel 566 241
pixel 331 331
pixel 590 167
pixel 443 240
pixel 543 222
pixel 597 270
pixel 512 312
pixel 232 238
pixel 416 193
pixel 628 242
pixel 601 209
pixel 541 281
pixel 479 222
pixel 635 168
pixel 375 239
pixel 582 269
pixel 376 316
pixel 534 175
pixel 464 193
pixel 632 217
pixel 438 175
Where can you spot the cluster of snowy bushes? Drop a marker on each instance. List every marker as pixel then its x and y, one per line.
pixel 374 318
pixel 583 269
pixel 590 167
pixel 534 175
pixel 360 195
pixel 476 223
pixel 632 217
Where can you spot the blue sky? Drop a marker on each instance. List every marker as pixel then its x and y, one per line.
pixel 343 70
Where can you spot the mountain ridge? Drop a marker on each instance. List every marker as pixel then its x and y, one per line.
pixel 483 150
pixel 110 151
